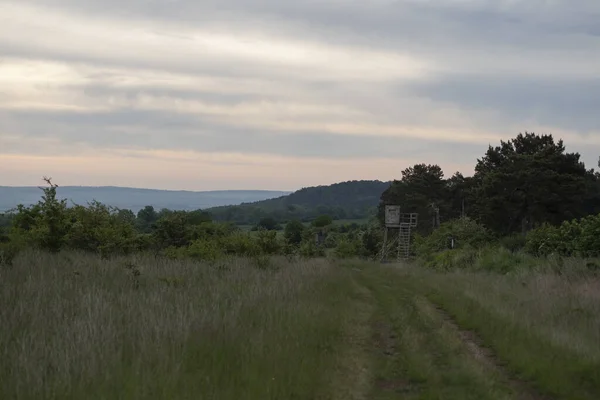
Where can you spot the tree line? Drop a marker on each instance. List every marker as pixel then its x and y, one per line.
pixel 527 195
pixel 520 185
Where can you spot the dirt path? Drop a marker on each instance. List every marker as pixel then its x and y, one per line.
pixel 488 360
pixel 419 352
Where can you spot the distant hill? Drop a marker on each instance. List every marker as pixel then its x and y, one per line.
pixel 345 200
pixel 136 199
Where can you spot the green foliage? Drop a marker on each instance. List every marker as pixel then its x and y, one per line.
pixel 579 237
pixel 421 187
pixel 293 232
pixel 267 242
pixel 100 229
pixel 345 200
pixel 465 232
pixel 528 181
pixel 10 249
pixel 545 240
pixel 322 221
pixel 268 223
pixel 309 249
pixel 489 258
pixel 45 224
pixel 146 217
pixel 347 248
pixel 513 243
pixel 371 241
pixel 517 186
pixel 173 230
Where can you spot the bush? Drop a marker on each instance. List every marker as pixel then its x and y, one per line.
pixel 267 242
pixel 322 221
pixel 100 229
pixel 545 240
pixel 513 243
pixel 347 248
pixel 579 238
pixel 491 259
pixel 465 232
pixel 294 231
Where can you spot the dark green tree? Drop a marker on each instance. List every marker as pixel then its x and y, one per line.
pixel 146 217
pixel 293 232
pixel 421 190
pixel 268 223
pixel 322 221
pixel 528 181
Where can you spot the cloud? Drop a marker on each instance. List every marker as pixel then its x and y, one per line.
pixel 303 83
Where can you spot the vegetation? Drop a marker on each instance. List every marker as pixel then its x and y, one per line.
pixel 78 326
pixel 75 326
pixel 345 200
pixel 501 303
pixel 517 186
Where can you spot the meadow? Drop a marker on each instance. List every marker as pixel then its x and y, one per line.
pixel 77 326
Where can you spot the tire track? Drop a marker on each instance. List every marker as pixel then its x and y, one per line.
pixel 488 359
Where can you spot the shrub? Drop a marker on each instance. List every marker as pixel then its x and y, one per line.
pixel 464 231
pixel 347 248
pixel 322 221
pixel 513 243
pixel 267 242
pixel 293 232
pixel 544 240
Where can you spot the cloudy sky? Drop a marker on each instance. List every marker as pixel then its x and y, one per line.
pixel 281 94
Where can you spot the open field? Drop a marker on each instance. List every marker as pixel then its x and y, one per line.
pixel 74 326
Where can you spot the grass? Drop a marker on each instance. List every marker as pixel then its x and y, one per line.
pixel 74 326
pixel 544 326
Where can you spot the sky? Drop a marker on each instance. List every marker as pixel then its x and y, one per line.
pixel 279 94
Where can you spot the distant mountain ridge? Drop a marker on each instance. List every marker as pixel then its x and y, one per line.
pixel 135 199
pixel 343 200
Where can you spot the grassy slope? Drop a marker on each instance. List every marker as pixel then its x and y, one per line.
pixel 74 326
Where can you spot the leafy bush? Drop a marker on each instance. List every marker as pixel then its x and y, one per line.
pixel 322 221
pixel 572 238
pixel 545 240
pixel 465 232
pixel 490 258
pixel 100 229
pixel 293 232
pixel 347 248
pixel 267 242
pixel 513 243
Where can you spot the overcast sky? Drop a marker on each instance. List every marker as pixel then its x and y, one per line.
pixel 279 94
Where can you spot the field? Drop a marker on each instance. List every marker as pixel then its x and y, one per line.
pixel 75 326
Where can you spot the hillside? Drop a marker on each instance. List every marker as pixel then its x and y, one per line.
pixel 135 199
pixel 344 200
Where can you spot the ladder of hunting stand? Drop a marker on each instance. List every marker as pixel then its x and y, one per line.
pixel 404 242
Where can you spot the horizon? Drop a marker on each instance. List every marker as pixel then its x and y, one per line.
pixel 184 190
pixel 271 94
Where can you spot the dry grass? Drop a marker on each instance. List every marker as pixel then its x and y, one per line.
pixel 74 326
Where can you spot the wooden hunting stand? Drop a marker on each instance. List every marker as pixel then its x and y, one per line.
pixel 403 223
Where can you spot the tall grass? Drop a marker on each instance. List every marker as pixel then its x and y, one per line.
pixel 74 326
pixel 544 325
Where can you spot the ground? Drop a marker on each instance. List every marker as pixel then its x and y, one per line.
pixel 75 326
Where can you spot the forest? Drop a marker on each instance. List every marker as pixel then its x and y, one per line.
pixel 344 200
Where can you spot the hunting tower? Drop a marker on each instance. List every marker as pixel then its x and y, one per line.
pixel 402 224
